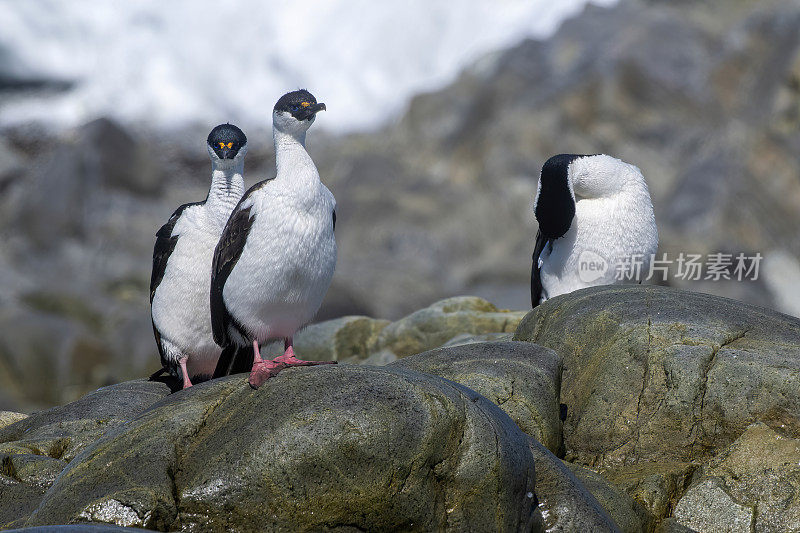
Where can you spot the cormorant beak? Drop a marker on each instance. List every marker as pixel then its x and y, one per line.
pixel 310 111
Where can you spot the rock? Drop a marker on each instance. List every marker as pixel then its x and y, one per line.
pixel 466 338
pixel 656 374
pixel 657 486
pixel 522 378
pixel 760 470
pixel 33 469
pixel 9 417
pixel 670 525
pixel 360 339
pixel 75 528
pixel 433 326
pixel 18 502
pixel 340 447
pixel 708 508
pixel 343 339
pixel 35 449
pixel 627 513
pixel 62 432
pixel 566 504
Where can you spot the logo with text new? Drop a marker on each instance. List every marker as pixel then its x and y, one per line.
pixel 591 266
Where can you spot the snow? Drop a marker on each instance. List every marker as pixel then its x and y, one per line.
pixel 169 63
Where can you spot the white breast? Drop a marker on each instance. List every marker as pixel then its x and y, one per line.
pixel 287 263
pixel 604 229
pixel 181 309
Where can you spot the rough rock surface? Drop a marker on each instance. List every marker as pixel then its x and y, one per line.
pixel 360 339
pixel 35 449
pixel 657 486
pixel 433 326
pixel 349 338
pixel 10 417
pixel 708 508
pixel 629 515
pixel 62 432
pixel 523 379
pixel 336 448
pixel 566 504
pixel 760 471
pixel 656 374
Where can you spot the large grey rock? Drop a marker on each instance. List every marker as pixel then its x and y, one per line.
pixel 360 339
pixel 657 486
pixel 35 449
pixel 63 432
pixel 566 504
pixel 630 515
pixel 656 374
pixel 760 471
pixel 522 378
pixel 435 325
pixel 708 508
pixel 335 448
pixel 349 338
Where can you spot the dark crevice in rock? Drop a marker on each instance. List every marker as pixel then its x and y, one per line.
pixel 7 469
pixel 645 381
pixel 58 448
pixel 706 369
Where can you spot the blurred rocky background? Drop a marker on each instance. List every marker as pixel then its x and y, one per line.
pixel 703 96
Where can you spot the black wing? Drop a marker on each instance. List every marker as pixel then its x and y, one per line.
pixel 536 280
pixel 227 253
pixel 165 245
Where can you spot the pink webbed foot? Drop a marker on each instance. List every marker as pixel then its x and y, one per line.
pixel 262 371
pixel 289 359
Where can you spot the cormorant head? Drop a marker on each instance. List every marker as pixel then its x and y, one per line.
pixel 226 142
pixel 295 111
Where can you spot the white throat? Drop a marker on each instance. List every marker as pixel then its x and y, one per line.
pixel 227 187
pixel 291 158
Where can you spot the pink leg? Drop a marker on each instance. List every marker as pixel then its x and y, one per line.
pixel 186 382
pixel 288 358
pixel 262 370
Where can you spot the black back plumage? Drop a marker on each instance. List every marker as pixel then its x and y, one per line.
pixel 554 212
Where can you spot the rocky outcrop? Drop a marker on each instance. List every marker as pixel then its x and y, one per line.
pixel 688 403
pixel 657 374
pixel 336 448
pixel 523 379
pixel 663 410
pixel 360 339
pixel 754 485
pixel 35 449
